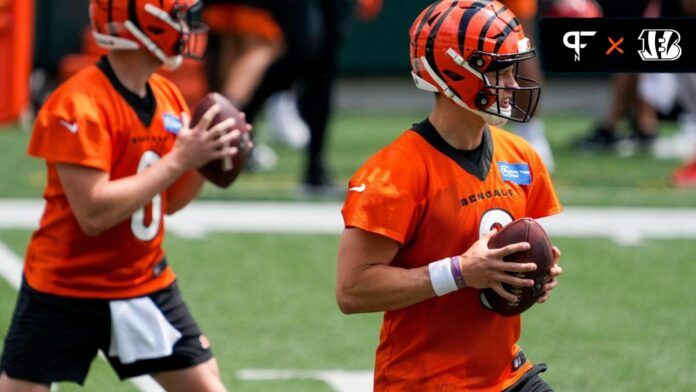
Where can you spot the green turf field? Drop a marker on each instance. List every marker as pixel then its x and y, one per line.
pixel 581 179
pixel 622 319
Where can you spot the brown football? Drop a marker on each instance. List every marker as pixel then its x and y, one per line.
pixel 540 253
pixel 218 171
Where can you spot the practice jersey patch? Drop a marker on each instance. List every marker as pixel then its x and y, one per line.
pixel 172 123
pixel 517 173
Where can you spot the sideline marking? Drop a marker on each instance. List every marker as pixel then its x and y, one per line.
pixel 625 226
pixel 339 380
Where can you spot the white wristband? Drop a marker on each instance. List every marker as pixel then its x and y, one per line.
pixel 441 277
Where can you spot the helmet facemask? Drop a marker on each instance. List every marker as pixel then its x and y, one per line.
pixel 489 98
pixel 194 38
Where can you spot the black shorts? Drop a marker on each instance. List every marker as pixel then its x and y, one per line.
pixel 54 338
pixel 531 381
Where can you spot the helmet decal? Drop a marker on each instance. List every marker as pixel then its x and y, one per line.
pixel 471 11
pixel 429 47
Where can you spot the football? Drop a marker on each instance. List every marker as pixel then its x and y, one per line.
pixel 540 253
pixel 223 172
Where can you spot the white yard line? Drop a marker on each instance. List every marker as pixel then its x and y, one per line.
pixel 10 266
pixel 339 380
pixel 626 226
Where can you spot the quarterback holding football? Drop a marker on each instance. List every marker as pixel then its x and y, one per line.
pixel 120 154
pixel 420 213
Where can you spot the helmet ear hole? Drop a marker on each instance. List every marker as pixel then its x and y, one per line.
pixel 155 30
pixel 453 75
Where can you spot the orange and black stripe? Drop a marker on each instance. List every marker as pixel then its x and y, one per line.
pixel 430 44
pixel 472 24
pixel 423 21
pixel 466 19
pixel 133 14
pixel 510 26
pixel 421 24
pixel 110 15
pixel 487 26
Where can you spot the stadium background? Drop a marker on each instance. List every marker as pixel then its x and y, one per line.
pixel 622 318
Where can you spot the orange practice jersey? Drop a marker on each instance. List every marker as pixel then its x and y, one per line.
pixel 91 120
pixel 424 194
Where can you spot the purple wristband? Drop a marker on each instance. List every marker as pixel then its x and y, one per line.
pixel 457 272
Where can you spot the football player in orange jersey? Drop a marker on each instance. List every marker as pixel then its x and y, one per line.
pixel 120 154
pixel 419 213
pixel 532 131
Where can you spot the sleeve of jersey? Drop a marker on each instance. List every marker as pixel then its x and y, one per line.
pixel 378 205
pixel 541 195
pixel 68 129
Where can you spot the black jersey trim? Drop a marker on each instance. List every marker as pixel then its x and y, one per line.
pixel 144 107
pixel 464 159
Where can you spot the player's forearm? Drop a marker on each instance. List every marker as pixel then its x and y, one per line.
pixel 382 287
pixel 112 202
pixel 183 191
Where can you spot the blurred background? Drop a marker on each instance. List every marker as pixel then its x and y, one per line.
pixel 326 85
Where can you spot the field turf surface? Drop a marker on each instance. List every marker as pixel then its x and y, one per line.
pixel 622 318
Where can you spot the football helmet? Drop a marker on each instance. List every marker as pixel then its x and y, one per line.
pixel 457 47
pixel 169 29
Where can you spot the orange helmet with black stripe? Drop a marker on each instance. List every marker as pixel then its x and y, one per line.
pixel 456 45
pixel 167 28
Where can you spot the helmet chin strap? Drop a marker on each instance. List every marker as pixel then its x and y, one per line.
pixel 489 118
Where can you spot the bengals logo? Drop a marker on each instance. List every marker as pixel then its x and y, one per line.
pixel 660 45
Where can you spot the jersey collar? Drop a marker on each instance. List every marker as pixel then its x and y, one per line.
pixel 144 107
pixel 478 169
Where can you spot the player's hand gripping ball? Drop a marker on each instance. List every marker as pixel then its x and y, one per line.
pixel 540 253
pixel 223 172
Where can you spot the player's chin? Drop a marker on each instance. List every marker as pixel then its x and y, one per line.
pixel 505 110
pixel 506 104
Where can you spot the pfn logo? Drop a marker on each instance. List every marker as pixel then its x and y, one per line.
pixel 660 45
pixel 571 40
